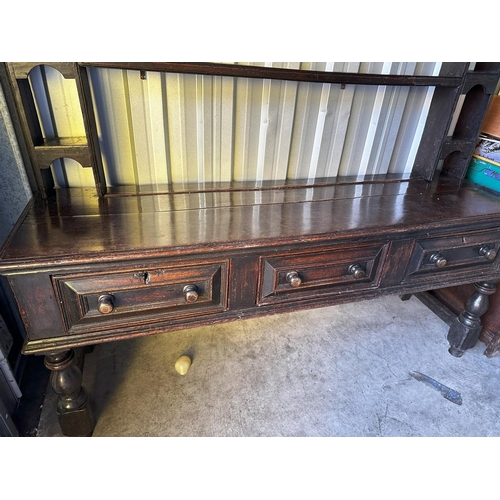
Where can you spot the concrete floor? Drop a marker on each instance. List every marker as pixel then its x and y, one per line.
pixel 336 371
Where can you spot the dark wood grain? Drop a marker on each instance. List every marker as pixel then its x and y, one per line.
pixel 73 407
pixel 90 124
pixel 485 75
pixel 124 234
pixel 84 268
pixel 54 149
pixel 205 187
pixel 83 201
pixel 140 296
pixel 467 129
pixel 437 124
pixel 43 152
pixel 22 69
pixel 10 100
pixel 30 126
pixel 86 245
pixel 248 71
pixel 452 300
pixel 327 269
pixel 464 331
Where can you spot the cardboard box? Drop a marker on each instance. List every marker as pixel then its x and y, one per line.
pixel 484 172
pixel 491 123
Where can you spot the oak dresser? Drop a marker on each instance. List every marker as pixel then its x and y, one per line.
pixel 85 266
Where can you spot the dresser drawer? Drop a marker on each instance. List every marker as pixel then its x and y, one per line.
pixel 128 297
pixel 453 254
pixel 319 273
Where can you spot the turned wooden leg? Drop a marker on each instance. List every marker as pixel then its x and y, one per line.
pixel 464 331
pixel 73 408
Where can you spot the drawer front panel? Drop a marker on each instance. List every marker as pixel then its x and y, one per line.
pixel 453 254
pixel 297 276
pixel 95 302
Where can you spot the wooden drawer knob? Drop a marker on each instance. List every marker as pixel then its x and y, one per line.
pixel 190 293
pixel 438 260
pixel 487 252
pixel 294 279
pixel 357 271
pixel 105 304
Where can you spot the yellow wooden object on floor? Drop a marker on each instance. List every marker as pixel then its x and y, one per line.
pixel 182 365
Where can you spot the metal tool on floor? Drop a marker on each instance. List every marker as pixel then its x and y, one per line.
pixel 446 392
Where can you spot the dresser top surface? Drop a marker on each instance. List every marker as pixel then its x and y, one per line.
pixel 77 225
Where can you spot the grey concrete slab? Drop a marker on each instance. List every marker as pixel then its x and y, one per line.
pixel 336 371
